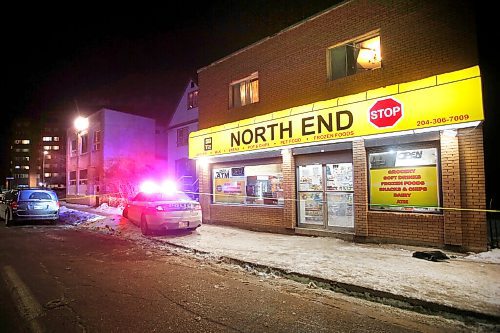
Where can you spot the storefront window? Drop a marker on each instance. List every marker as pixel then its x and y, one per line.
pixel 340 209
pixel 311 207
pixel 404 180
pixel 339 177
pixel 311 177
pixel 252 185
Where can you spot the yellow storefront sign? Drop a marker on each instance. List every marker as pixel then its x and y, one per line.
pixel 446 99
pixel 404 187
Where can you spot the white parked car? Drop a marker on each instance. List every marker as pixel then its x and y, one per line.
pixel 163 211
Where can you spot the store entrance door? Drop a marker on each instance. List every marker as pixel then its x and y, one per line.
pixel 326 195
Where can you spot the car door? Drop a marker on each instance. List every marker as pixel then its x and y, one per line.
pixel 134 208
pixel 5 203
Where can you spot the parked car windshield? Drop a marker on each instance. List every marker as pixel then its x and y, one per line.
pixel 37 195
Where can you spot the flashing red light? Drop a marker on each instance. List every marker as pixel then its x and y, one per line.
pixel 13 205
pixel 149 186
pixel 168 187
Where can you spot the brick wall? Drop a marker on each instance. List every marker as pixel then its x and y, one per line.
pixel 289 190
pixel 360 188
pixel 450 186
pixel 205 194
pixel 265 218
pixel 472 188
pixel 406 228
pixel 418 39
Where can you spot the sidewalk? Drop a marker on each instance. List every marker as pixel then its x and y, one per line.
pixel 464 284
pixel 458 285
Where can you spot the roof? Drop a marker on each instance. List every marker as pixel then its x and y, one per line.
pixel 298 24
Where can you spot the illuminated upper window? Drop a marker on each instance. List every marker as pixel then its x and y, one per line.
pixel 354 57
pixel 192 100
pixel 22 142
pixel 244 91
pixel 47 138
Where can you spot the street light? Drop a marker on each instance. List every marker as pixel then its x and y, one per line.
pixel 43 167
pixel 81 124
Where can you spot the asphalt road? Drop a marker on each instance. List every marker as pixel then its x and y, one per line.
pixel 60 279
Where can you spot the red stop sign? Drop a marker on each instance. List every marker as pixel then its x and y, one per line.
pixel 385 112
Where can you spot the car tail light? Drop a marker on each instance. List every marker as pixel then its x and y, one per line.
pixel 13 205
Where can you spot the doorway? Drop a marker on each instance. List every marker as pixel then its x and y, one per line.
pixel 326 195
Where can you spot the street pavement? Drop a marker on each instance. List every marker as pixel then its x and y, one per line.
pixel 465 285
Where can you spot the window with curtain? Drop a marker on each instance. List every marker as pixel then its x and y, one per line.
pixel 244 91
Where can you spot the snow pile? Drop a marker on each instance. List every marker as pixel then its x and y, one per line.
pixel 104 207
pixel 490 257
pixel 75 217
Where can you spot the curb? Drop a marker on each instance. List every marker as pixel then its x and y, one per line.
pixel 374 295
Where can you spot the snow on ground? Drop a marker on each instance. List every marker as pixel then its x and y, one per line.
pixel 492 256
pixel 467 281
pixel 75 216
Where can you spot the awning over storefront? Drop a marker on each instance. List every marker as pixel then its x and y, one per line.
pixel 438 102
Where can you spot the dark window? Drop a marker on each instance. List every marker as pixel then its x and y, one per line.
pixel 182 136
pixel 83 177
pixel 97 141
pixel 72 178
pixel 85 143
pixel 73 147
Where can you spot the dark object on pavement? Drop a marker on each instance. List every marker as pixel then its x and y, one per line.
pixel 430 255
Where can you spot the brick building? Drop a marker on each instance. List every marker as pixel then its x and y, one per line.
pixel 362 122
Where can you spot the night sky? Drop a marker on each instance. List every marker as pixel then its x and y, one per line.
pixel 139 58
